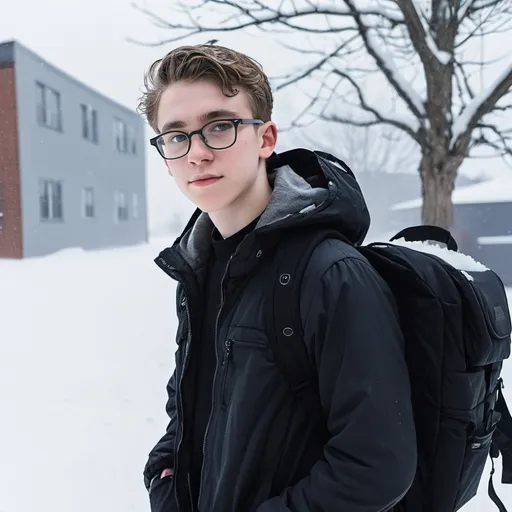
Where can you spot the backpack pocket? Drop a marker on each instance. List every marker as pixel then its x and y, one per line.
pixel 473 464
pixel 489 323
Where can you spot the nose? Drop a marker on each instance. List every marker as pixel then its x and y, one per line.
pixel 199 151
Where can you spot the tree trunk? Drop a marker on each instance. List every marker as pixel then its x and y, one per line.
pixel 438 176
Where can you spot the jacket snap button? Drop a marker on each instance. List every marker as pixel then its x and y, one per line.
pixel 259 253
pixel 284 279
pixel 287 331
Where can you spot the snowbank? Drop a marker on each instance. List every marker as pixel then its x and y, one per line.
pixel 86 350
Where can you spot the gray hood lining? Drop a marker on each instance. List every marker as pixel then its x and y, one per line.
pixel 290 195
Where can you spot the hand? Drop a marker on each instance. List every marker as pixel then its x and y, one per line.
pixel 166 472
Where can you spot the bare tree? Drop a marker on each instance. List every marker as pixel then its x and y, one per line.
pixel 369 149
pixel 421 50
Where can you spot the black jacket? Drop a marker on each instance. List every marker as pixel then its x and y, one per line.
pixel 261 452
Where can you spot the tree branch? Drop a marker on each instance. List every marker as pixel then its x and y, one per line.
pixel 317 66
pixel 379 116
pixel 387 66
pixel 476 5
pixel 270 16
pixel 421 39
pixel 334 118
pixel 478 108
pixel 314 99
pixel 480 24
pixel 502 135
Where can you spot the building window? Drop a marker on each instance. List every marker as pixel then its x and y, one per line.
pixel 120 135
pixel 132 148
pixel 2 208
pixel 88 202
pixel 50 200
pixel 124 137
pixel 89 123
pixel 121 206
pixel 135 206
pixel 48 107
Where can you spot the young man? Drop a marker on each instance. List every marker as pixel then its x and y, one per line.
pixel 237 438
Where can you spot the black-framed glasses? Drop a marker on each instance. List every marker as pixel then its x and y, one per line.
pixel 218 134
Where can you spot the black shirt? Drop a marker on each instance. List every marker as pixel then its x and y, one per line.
pixel 204 352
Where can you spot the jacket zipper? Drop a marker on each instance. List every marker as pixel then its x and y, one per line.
pixel 171 271
pixel 225 363
pixel 214 380
pixel 248 344
pixel 187 347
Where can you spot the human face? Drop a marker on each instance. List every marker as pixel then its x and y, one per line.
pixel 237 173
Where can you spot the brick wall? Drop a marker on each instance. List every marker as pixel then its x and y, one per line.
pixel 10 235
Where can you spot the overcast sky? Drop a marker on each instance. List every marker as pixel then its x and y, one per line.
pixel 88 39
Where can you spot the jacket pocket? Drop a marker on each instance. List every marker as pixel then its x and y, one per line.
pixel 473 464
pixel 245 339
pixel 226 359
pixel 161 495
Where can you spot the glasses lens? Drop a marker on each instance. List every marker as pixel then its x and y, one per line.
pixel 219 134
pixel 173 144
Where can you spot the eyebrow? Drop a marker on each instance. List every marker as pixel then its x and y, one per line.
pixel 204 118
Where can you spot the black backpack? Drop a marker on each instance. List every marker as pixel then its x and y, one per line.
pixel 457 328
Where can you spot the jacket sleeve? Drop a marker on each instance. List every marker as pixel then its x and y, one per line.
pixel 162 455
pixel 354 339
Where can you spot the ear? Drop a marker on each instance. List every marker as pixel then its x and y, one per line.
pixel 268 136
pixel 168 167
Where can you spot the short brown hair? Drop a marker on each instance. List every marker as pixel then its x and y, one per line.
pixel 229 69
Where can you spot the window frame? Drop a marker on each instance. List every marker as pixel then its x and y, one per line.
pixel 89 123
pixel 51 198
pixel 86 205
pixel 43 114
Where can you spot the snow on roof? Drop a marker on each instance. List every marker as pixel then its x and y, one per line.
pixel 496 190
pixel 495 240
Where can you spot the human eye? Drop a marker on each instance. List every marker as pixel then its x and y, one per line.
pixel 175 138
pixel 221 126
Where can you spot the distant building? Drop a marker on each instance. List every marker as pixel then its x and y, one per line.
pixel 383 189
pixel 482 222
pixel 72 164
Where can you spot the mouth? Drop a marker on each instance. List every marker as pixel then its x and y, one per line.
pixel 204 182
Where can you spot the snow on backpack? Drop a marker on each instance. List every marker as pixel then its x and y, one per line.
pixel 456 324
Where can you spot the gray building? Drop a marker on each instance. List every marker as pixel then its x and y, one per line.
pixel 382 190
pixel 72 163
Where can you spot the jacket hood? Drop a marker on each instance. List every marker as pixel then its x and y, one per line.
pixel 309 189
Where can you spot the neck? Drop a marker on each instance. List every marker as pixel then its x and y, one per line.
pixel 245 209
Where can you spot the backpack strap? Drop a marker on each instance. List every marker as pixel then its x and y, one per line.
pixel 284 323
pixel 426 233
pixel 501 442
pixel 502 438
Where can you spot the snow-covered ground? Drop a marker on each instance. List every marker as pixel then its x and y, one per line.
pixel 86 348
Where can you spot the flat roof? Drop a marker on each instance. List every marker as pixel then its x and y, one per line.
pixel 8 51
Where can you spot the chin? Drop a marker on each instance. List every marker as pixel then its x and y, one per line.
pixel 213 204
pixel 209 206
